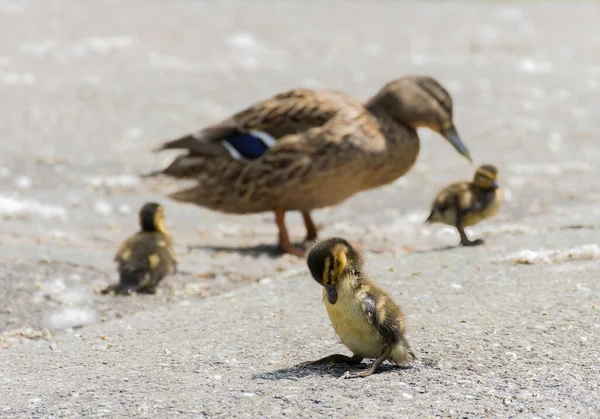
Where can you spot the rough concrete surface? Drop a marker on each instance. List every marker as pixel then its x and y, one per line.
pixel 509 329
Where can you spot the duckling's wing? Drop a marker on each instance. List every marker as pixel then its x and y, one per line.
pixel 387 318
pixel 471 199
pixel 451 197
pixel 384 315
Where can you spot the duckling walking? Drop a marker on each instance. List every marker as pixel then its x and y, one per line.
pixel 465 204
pixel 145 258
pixel 365 318
pixel 307 149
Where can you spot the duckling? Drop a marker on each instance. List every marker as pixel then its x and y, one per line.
pixel 307 149
pixel 365 318
pixel 464 204
pixel 145 258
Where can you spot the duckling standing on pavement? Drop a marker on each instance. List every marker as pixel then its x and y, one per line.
pixel 145 258
pixel 365 318
pixel 307 149
pixel 465 204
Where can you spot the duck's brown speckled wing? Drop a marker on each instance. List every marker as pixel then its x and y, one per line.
pixel 287 113
pixel 318 167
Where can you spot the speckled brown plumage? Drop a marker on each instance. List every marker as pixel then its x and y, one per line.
pixel 465 204
pixel 327 147
pixel 364 316
pixel 145 258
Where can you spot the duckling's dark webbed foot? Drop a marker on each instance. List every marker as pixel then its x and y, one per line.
pixel 334 359
pixel 110 289
pixel 365 373
pixel 464 240
pixel 477 242
pixel 117 289
pixel 359 373
pixel 147 290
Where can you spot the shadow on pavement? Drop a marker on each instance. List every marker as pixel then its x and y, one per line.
pixel 258 251
pixel 337 371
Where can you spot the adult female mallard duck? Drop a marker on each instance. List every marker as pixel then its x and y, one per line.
pixel 307 149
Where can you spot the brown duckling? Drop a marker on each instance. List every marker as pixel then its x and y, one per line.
pixel 365 318
pixel 307 149
pixel 145 258
pixel 464 204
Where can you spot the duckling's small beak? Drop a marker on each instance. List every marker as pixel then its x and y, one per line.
pixel 452 136
pixel 495 184
pixel 331 293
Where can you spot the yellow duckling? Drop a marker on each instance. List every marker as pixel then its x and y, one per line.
pixel 464 204
pixel 145 258
pixel 365 318
pixel 307 149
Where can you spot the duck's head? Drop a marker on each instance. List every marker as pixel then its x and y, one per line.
pixel 420 101
pixel 486 177
pixel 329 261
pixel 152 217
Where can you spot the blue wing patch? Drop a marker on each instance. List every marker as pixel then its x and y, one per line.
pixel 249 145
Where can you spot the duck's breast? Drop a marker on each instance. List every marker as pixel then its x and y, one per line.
pixel 350 322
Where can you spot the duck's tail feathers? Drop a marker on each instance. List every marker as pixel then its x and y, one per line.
pixel 195 145
pixel 410 353
pixel 203 142
pixel 152 174
pixel 189 142
pixel 183 167
pixel 189 195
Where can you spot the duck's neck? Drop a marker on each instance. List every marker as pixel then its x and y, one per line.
pixel 402 144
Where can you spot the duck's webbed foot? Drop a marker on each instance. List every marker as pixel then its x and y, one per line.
pixel 464 240
pixel 334 359
pixel 291 249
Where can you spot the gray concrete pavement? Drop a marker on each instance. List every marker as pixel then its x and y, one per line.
pixel 88 88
